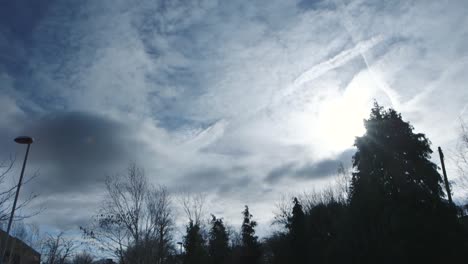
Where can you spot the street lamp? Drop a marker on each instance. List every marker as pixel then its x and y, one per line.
pixel 20 140
pixel 181 246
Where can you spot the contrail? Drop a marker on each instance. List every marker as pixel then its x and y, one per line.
pixel 462 112
pixel 463 109
pixel 208 135
pixel 445 75
pixel 381 84
pixel 307 76
pixel 323 67
pixel 337 61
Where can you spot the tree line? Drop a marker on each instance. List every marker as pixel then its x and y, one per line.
pixel 391 210
pixel 390 207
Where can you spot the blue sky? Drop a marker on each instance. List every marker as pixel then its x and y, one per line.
pixel 241 100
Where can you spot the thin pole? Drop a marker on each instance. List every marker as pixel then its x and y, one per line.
pixel 447 186
pixel 10 221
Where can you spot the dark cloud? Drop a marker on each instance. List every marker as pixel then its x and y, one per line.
pixel 74 151
pixel 319 169
pixel 18 19
pixel 314 4
pixel 279 172
pixel 315 170
pixel 216 180
pixel 21 16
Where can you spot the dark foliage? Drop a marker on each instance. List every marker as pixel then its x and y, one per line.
pixel 297 233
pixel 395 213
pixel 250 250
pixel 218 246
pixel 396 208
pixel 195 246
pixel 148 250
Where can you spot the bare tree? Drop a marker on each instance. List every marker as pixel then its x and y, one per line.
pixel 461 156
pixel 315 197
pixel 336 191
pixel 235 237
pixel 308 200
pixel 133 216
pixel 283 211
pixel 160 212
pixel 57 249
pixel 193 206
pixel 126 199
pixel 7 193
pixel 107 233
pixel 342 183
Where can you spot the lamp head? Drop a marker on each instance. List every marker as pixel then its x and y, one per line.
pixel 24 140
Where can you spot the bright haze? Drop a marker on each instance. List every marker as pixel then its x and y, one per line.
pixel 240 100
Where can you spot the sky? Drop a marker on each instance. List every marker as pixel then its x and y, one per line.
pixel 242 101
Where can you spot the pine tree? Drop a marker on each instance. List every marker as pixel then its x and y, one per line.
pixel 297 233
pixel 251 253
pixel 396 202
pixel 195 249
pixel 218 242
pixel 395 160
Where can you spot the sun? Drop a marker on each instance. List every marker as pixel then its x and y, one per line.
pixel 330 121
pixel 340 118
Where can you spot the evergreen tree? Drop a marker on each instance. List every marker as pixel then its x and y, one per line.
pixel 395 160
pixel 195 249
pixel 297 233
pixel 251 253
pixel 218 241
pixel 277 249
pixel 396 204
pixel 326 223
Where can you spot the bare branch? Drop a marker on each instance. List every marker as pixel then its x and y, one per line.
pixel 57 249
pixel 283 211
pixel 7 194
pixel 134 214
pixel 193 206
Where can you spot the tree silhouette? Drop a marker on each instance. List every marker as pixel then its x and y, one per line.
pixel 396 204
pixel 297 232
pixel 392 210
pixel 250 246
pixel 395 160
pixel 218 244
pixel 195 248
pixel 135 219
pixel 83 258
pixel 277 249
pixel 326 226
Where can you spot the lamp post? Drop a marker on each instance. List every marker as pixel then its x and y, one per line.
pixel 20 140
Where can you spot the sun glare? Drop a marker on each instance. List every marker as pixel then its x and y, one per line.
pixel 331 124
pixel 340 119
